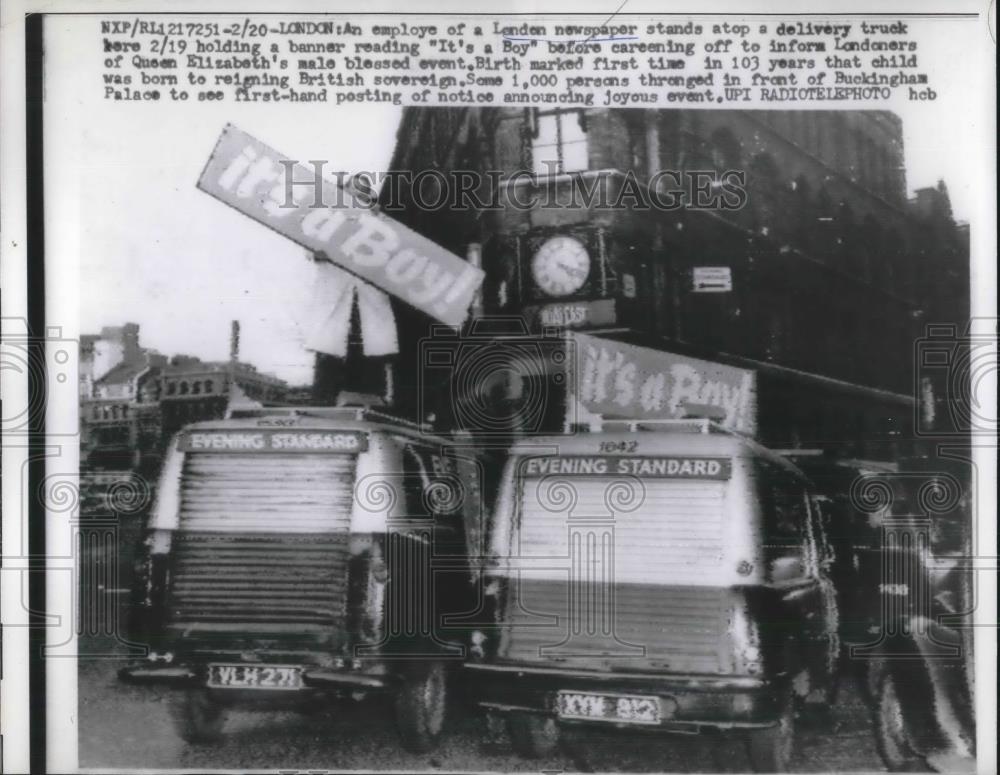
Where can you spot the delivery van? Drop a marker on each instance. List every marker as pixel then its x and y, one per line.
pixel 662 576
pixel 297 555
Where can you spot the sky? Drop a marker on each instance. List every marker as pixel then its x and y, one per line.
pixel 154 250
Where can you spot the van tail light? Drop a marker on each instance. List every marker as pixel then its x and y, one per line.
pixel 477 645
pixel 494 597
pixel 149 596
pixel 369 574
pixel 746 639
pixel 155 573
pixel 379 568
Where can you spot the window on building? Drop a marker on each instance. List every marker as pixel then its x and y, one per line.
pixel 774 344
pixel 196 387
pixel 171 388
pixel 812 133
pixel 725 150
pixel 209 386
pixel 883 183
pixel 861 159
pixel 844 223
pixel 872 252
pixel 764 184
pixel 893 263
pixel 184 388
pixel 559 143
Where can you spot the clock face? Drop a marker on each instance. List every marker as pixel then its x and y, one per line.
pixel 561 266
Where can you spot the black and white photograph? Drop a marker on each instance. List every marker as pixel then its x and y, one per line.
pixel 474 388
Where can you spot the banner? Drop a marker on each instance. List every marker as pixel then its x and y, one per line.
pixel 624 381
pixel 323 217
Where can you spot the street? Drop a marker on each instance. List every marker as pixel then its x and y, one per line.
pixel 125 726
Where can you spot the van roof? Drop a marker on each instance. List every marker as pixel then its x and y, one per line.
pixel 322 418
pixel 655 442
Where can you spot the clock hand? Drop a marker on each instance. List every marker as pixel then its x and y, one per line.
pixel 572 271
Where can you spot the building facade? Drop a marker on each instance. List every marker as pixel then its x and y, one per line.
pixel 119 398
pixel 192 390
pixel 781 241
pixel 132 399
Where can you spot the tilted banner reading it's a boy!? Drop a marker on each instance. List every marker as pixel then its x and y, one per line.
pixel 259 182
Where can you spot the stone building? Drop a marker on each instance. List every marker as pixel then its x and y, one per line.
pixel 119 398
pixel 192 390
pixel 133 398
pixel 824 273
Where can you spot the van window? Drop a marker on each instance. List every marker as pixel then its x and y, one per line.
pixel 433 492
pixel 784 511
pixel 819 509
pixel 414 480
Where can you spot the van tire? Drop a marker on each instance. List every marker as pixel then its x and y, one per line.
pixel 197 717
pixel 891 737
pixel 818 704
pixel 770 749
pixel 533 736
pixel 421 704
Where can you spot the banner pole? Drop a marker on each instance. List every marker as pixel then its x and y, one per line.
pixel 569 409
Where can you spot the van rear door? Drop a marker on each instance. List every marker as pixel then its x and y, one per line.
pixel 264 521
pixel 632 565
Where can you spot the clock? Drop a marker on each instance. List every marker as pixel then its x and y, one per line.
pixel 561 266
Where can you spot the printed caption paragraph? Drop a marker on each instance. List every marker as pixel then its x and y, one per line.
pixel 632 63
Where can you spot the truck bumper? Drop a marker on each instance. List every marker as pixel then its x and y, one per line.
pixel 689 702
pixel 312 678
pixel 157 674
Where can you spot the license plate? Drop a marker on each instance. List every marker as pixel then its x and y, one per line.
pixel 255 677
pixel 618 708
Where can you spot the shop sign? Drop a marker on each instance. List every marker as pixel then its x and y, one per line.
pixel 581 314
pixel 711 279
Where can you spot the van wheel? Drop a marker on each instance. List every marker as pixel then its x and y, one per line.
pixel 770 749
pixel 533 736
pixel 818 703
pixel 197 717
pixel 420 707
pixel 891 736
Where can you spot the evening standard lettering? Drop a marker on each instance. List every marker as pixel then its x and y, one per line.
pixel 234 441
pixel 680 467
pixel 317 441
pixel 245 442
